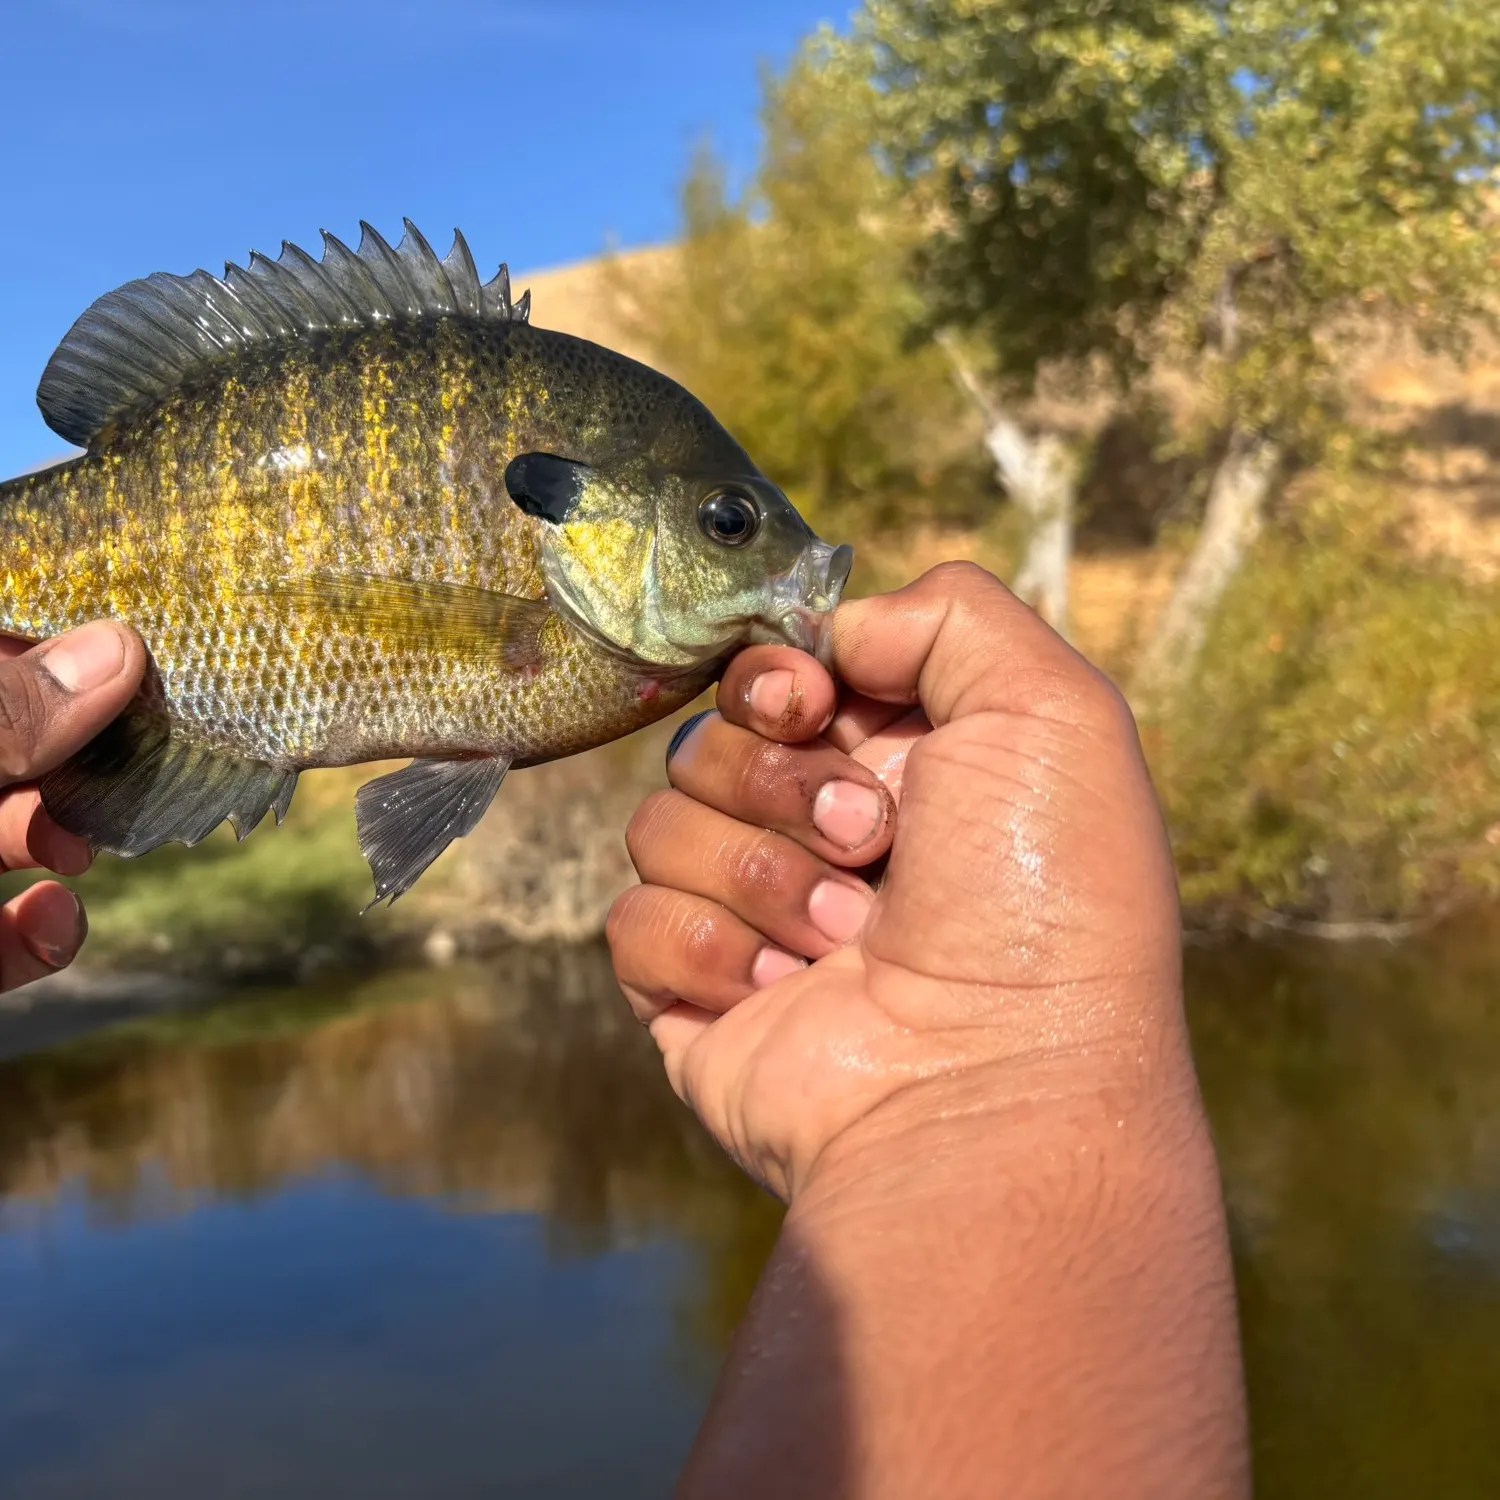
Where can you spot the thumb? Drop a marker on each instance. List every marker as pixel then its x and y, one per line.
pixel 1029 849
pixel 958 642
pixel 56 697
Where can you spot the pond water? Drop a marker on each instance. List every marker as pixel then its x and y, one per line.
pixel 447 1233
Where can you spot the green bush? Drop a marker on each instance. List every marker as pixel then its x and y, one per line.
pixel 1339 753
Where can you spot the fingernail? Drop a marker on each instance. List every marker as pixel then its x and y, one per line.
pixel 772 964
pixel 684 729
pixel 846 813
pixel 837 910
pixel 771 694
pixel 85 658
pixel 53 926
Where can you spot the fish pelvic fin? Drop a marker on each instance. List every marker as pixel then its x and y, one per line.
pixel 407 819
pixel 135 787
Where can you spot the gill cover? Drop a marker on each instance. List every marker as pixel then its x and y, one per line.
pixel 677 569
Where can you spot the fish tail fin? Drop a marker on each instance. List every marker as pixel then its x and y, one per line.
pixel 135 787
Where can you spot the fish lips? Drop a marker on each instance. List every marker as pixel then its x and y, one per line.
pixel 804 599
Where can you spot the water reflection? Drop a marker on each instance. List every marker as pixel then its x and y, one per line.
pixel 218 1188
pixel 449 1233
pixel 1356 1106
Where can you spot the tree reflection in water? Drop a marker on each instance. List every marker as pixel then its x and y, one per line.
pixel 1355 1096
pixel 521 1086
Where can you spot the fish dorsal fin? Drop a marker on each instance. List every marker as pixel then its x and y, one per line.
pixel 137 345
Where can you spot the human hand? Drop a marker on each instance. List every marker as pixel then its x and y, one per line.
pixel 54 698
pixel 1024 940
pixel 1005 1226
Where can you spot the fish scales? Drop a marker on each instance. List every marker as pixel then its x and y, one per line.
pixel 377 453
pixel 360 508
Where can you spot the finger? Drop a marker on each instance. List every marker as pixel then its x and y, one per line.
pixel 958 642
pixel 780 693
pixel 669 946
pixel 41 931
pixel 858 718
pixel 13 645
pixel 885 751
pixel 30 840
pixel 812 793
pixel 674 1031
pixel 800 902
pixel 59 695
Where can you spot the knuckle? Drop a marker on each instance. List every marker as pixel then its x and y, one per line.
pixel 22 716
pixel 761 866
pixel 653 820
pixel 763 770
pixel 702 942
pixel 1106 708
pixel 961 578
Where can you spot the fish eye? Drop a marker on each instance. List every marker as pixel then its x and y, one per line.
pixel 729 518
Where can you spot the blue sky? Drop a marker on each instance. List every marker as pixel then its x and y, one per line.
pixel 162 135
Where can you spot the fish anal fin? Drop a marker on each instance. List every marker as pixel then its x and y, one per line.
pixel 407 819
pixel 135 787
pixel 451 618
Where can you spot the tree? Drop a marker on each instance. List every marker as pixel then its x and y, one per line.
pixel 1232 183
pixel 1353 153
pixel 1058 151
pixel 791 311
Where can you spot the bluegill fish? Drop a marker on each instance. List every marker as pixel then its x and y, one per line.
pixel 358 507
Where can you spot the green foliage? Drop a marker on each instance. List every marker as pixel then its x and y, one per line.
pixel 1139 178
pixel 791 313
pixel 1063 151
pixel 1351 763
pixel 1356 159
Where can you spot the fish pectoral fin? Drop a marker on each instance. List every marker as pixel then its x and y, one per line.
pixel 452 618
pixel 408 818
pixel 135 786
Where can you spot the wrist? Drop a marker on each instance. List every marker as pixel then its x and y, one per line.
pixel 948 1134
pixel 994 1262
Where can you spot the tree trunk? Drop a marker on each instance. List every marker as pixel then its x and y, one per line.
pixel 1040 476
pixel 1236 509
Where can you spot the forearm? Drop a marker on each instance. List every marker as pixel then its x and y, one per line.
pixel 994 1294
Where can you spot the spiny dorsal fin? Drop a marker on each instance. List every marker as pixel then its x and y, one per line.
pixel 136 345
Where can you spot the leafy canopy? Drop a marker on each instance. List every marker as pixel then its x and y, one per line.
pixel 1133 178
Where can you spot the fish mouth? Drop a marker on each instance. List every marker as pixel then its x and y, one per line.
pixel 804 599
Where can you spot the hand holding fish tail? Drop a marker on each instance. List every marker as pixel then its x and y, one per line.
pixel 965 1067
pixel 54 698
